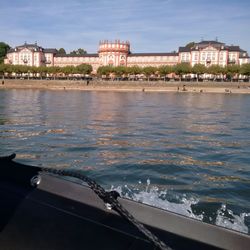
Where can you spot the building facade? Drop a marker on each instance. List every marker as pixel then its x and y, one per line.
pixel 213 52
pixel 118 53
pixel 31 55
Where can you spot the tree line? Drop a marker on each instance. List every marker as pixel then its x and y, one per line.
pixel 3 50
pixel 79 51
pixel 43 71
pixel 180 71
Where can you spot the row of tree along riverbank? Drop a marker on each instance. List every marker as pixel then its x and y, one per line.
pixel 182 71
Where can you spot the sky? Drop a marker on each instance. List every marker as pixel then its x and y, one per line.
pixel 149 25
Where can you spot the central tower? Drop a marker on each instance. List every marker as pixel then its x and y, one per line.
pixel 113 53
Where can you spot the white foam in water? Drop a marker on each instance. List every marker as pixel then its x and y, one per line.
pixel 226 218
pixel 154 197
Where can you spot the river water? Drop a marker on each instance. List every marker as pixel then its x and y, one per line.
pixel 185 152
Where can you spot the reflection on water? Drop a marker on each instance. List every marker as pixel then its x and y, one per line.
pixel 194 144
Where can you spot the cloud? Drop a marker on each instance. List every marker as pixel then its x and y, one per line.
pixel 151 26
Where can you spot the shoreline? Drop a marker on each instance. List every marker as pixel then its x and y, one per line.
pixel 128 86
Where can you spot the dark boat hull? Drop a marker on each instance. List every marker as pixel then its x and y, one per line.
pixel 60 214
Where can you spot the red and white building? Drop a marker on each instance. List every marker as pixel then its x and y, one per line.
pixel 118 53
pixel 213 52
pixel 31 55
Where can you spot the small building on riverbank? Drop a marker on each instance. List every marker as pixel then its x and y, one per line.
pixel 117 53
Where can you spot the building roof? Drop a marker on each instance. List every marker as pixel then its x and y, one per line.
pixel 215 44
pixel 243 54
pixel 184 49
pixel 204 44
pixel 33 47
pixel 209 42
pixel 50 50
pixel 234 48
pixel 29 46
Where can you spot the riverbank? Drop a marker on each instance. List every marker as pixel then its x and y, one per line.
pixel 199 87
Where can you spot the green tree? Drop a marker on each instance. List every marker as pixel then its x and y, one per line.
pixel 55 71
pixel 79 51
pixel 199 69
pixel 18 70
pixel 120 71
pixel 33 70
pixel 135 70
pixel 2 70
pixel 8 68
pixel 190 45
pixel 165 70
pixel 4 47
pixel 245 70
pixel 148 71
pixel 52 71
pixel 62 51
pixel 67 70
pixel 42 70
pixel 216 70
pixel 181 69
pixel 232 71
pixel 105 70
pixel 84 69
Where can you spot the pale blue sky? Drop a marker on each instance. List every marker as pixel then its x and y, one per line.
pixel 149 25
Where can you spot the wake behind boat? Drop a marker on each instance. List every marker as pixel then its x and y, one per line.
pixel 41 210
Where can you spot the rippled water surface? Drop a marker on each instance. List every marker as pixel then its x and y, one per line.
pixel 186 152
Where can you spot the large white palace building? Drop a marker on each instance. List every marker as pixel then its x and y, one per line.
pixel 118 53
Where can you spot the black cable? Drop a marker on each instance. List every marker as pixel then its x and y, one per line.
pixel 111 198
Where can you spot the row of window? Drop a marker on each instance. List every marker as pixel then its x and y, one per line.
pixel 113 45
pixel 152 59
pixel 76 59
